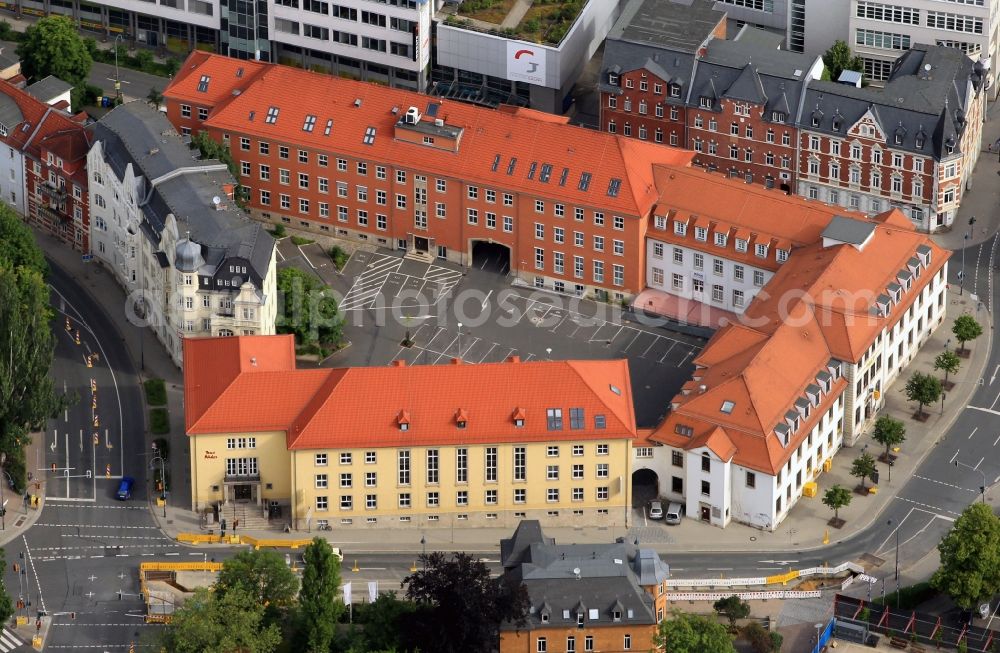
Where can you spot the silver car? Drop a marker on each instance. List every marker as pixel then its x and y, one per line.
pixel 655 510
pixel 675 512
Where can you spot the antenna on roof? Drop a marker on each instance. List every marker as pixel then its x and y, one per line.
pixel 216 200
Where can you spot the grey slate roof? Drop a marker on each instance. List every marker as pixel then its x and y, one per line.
pixel 752 70
pixel 10 112
pixel 848 230
pixel 661 36
pixel 138 134
pixel 8 58
pixel 925 106
pixel 49 88
pixel 565 579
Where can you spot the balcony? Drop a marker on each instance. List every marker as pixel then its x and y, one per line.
pixel 242 478
pixel 55 194
pixel 49 214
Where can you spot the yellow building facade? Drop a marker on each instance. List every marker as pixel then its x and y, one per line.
pixel 450 446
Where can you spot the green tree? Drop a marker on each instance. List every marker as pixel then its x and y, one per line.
pixel 923 389
pixel 27 393
pixel 691 633
pixel 948 362
pixel 6 604
pixel 461 606
pixel 965 329
pixel 307 309
pixel 263 575
pixel 840 58
pixel 760 639
pixel 733 608
pixel 210 622
pixel 836 498
pixel 863 467
pixel 155 97
pixel 211 149
pixel 888 432
pixel 320 605
pixel 385 622
pixel 970 557
pixel 52 46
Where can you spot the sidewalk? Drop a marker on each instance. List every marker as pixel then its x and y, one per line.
pixel 982 199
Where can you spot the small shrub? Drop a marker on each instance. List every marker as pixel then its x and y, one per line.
pixel 909 597
pixel 159 421
pixel 278 231
pixel 339 256
pixel 156 392
pixel 298 241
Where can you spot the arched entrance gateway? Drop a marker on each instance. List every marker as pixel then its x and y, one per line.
pixel 645 487
pixel 490 256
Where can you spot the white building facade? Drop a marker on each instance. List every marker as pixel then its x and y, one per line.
pixel 190 265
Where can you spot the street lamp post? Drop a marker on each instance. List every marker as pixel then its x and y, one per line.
pixel 890 522
pixel 982 488
pixel 423 550
pixel 118 81
pixel 459 341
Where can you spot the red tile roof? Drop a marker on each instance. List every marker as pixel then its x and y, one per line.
pixel 355 107
pixel 354 407
pixel 46 128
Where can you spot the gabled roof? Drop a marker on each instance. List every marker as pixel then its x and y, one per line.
pixel 748 87
pixel 49 88
pixel 595 580
pixel 332 407
pixel 926 95
pixel 364 118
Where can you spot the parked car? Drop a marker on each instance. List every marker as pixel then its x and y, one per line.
pixel 655 510
pixel 675 512
pixel 125 488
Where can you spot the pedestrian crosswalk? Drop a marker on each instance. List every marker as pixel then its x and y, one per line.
pixel 9 641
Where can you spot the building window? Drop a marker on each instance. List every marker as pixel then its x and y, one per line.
pixel 403 467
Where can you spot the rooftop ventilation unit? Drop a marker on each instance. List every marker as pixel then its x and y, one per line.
pixel 412 116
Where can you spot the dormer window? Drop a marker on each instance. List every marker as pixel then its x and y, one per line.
pixel 920 141
pixel 741 245
pixel 616 615
pixel 761 250
pixel 544 617
pixel 720 239
pixel 836 124
pixel 782 255
pixel 683 429
pixel 461 418
pixel 701 233
pixel 613 79
pixel 680 228
pixel 403 420
pixel 705 102
pixel 518 417
pixel 777 116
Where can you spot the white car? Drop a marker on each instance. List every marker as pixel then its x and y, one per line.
pixel 655 510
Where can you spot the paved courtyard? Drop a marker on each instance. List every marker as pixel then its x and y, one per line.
pixel 477 315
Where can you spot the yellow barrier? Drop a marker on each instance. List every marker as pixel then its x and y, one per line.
pixel 179 566
pixel 197 538
pixel 274 543
pixel 783 578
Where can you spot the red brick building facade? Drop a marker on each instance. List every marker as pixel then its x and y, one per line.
pixel 385 166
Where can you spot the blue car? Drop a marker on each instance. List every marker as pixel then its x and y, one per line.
pixel 125 488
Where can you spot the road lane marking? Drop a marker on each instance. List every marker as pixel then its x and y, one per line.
pixel 931 480
pixel 973 433
pixel 31 561
pixel 979 463
pixel 954 457
pixel 986 410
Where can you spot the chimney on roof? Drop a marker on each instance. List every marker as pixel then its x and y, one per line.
pixel 399 363
pixel 513 359
pixel 456 361
pixel 702 388
pixel 253 361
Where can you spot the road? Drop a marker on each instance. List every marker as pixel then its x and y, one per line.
pixel 85 548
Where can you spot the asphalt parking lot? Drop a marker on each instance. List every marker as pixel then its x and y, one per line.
pixel 475 314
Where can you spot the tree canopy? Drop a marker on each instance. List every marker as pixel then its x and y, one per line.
pixel 264 576
pixel 52 46
pixel 840 58
pixel 460 606
pixel 212 622
pixel 320 605
pixel 923 389
pixel 948 362
pixel 965 329
pixel 691 633
pixel 27 394
pixel 733 608
pixel 970 557
pixel 863 467
pixel 837 497
pixel 888 432
pixel 307 309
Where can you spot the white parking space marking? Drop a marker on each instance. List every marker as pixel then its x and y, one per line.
pixel 383 270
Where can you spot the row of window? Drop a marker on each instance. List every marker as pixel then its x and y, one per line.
pixel 542 643
pixel 720 238
pixel 856 153
pixel 433 498
pixel 433 472
pixel 874 179
pixel 559 267
pixel 718 265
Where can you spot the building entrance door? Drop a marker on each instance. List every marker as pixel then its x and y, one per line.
pixel 421 244
pixel 706 513
pixel 242 493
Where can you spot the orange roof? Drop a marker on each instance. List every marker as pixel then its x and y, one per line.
pixel 239 105
pixel 818 306
pixel 354 407
pixel 694 196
